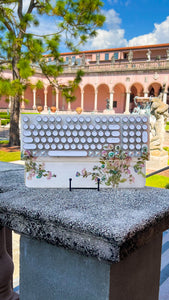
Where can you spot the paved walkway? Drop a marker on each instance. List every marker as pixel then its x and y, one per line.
pixel 164 280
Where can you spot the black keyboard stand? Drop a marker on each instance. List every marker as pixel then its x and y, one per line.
pixel 83 188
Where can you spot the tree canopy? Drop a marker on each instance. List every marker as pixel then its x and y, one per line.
pixel 21 49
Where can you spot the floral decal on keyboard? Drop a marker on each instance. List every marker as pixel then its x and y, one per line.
pixel 34 168
pixel 115 166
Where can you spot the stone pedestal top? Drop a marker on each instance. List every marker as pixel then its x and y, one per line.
pixel 109 224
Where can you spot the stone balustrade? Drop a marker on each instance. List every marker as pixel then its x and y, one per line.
pixel 85 244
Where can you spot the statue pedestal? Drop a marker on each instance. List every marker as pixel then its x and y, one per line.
pixel 158 160
pixel 109 111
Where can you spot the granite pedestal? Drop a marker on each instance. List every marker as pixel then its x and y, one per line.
pixel 86 244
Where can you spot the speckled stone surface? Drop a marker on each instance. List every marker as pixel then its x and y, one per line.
pixel 109 224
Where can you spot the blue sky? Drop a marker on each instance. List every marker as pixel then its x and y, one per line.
pixel 128 23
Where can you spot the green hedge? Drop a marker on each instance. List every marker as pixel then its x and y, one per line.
pixel 5 122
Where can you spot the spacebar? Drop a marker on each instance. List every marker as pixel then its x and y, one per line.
pixel 67 153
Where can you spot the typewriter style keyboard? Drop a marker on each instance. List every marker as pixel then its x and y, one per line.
pixel 84 135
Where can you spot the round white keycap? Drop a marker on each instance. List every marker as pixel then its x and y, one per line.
pixel 131 133
pixel 45 126
pixel 125 133
pixel 58 126
pixel 25 126
pixel 38 126
pixel 53 146
pixel 97 120
pixel 58 119
pixel 125 140
pixel 89 140
pixel 91 127
pixel 144 127
pixel 86 146
pixel 50 140
pixel 73 146
pixel 117 119
pixel 74 133
pixel 131 126
pixel 63 140
pixel 88 119
pixel 88 133
pixel 40 146
pixel 100 133
pixel 56 140
pixel 68 133
pixel 60 146
pixel 93 146
pixel 104 127
pixel 111 119
pixel 138 127
pixel 66 146
pixel 125 127
pixel 64 127
pixel 79 147
pixel 83 140
pixel 35 132
pixel 47 146
pixel 125 120
pixel 81 119
pixel 96 140
pixel 78 127
pixel 97 127
pixel 32 126
pixel 102 140
pixel 125 147
pixel 51 119
pixel 43 140
pixel 71 127
pixel 45 119
pixel 75 119
pixel 138 140
pixel 107 133
pixel 104 119
pixel 61 133
pixel 55 132
pixel 99 146
pixel 138 133
pixel 138 119
pixel 81 133
pixel 51 126
pixel 132 119
pixel 131 140
pixel 84 126
pixel 48 133
pixel 94 133
pixel 76 140
pixel 68 119
pixel 138 146
pixel 26 119
pixel 37 139
pixel 70 140
pixel 38 119
pixel 131 147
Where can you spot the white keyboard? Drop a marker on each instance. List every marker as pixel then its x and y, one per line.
pixel 83 135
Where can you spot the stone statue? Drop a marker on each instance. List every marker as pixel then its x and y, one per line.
pixel 83 60
pixel 69 61
pixel 148 54
pixel 97 58
pixel 107 103
pixel 130 56
pixel 112 60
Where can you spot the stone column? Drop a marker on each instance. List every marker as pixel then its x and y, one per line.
pixel 22 103
pixel 165 97
pixel 45 104
pixel 82 99
pixel 127 103
pixel 111 101
pixel 34 98
pixel 57 99
pixel 6 270
pixel 95 100
pixel 145 94
pixel 69 106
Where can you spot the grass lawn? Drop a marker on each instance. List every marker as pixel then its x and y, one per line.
pixel 10 156
pixel 157 181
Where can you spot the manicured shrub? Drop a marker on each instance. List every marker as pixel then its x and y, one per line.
pixel 167 186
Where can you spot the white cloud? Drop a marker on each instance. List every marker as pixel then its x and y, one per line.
pixel 159 35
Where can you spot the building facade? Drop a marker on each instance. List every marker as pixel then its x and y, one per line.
pixel 117 74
